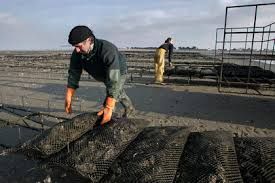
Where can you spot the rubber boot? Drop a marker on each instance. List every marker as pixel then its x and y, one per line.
pixel 129 109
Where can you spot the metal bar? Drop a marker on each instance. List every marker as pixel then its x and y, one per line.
pixel 261 45
pixel 273 47
pixel 229 58
pixel 240 27
pixel 215 53
pixel 245 45
pixel 267 47
pixel 249 5
pixel 240 52
pixel 225 22
pixel 230 43
pixel 250 32
pixel 252 46
pixel 270 24
pixel 245 41
pixel 243 83
pixel 272 52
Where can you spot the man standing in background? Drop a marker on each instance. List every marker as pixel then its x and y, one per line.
pixel 159 59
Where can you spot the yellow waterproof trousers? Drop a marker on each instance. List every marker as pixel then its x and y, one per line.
pixel 159 64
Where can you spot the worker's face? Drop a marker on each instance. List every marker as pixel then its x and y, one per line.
pixel 85 46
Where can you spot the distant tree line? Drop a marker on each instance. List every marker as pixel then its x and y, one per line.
pixel 180 48
pixel 149 48
pixel 188 48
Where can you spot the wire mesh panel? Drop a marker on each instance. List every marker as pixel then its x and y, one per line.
pixel 152 157
pixel 256 157
pixel 59 136
pixel 92 154
pixel 209 157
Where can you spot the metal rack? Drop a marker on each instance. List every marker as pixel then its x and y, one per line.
pixel 250 67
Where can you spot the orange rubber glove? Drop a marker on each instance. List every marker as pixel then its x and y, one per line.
pixel 107 110
pixel 68 100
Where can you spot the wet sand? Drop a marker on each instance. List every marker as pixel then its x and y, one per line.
pixel 201 107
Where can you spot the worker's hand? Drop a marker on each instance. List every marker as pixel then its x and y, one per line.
pixel 107 110
pixel 68 100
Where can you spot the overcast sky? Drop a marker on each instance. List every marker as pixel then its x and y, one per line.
pixel 45 24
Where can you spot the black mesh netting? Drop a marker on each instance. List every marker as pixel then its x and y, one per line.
pixel 59 136
pixel 79 150
pixel 209 157
pixel 92 154
pixel 152 157
pixel 190 70
pixel 232 70
pixel 256 157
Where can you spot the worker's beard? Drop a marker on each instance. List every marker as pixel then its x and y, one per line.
pixel 91 48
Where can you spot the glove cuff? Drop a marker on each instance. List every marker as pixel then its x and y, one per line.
pixel 110 103
pixel 70 91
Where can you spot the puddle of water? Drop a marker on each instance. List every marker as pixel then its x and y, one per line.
pixel 15 167
pixel 13 135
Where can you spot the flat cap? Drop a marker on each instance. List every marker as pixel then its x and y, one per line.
pixel 79 33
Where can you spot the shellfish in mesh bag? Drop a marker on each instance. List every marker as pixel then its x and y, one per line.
pixel 92 154
pixel 59 136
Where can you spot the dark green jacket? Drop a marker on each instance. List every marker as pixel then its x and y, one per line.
pixel 105 63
